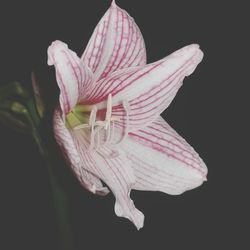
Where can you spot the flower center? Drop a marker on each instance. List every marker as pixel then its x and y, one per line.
pixel 85 117
pixel 77 116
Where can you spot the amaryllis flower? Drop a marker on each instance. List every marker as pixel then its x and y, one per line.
pixel 108 121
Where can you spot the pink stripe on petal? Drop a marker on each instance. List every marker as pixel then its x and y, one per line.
pixel 116 43
pixel 163 160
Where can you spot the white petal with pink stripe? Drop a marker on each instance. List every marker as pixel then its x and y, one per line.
pixel 163 161
pixel 71 154
pixel 148 89
pixel 116 43
pixel 111 166
pixel 73 78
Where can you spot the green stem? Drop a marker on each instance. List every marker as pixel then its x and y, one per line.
pixel 33 111
pixel 61 202
pixel 35 133
pixel 62 208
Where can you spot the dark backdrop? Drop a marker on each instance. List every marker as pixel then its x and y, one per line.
pixel 209 111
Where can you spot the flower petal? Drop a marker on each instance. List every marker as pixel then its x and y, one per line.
pixel 163 161
pixel 147 89
pixel 66 143
pixel 71 75
pixel 116 43
pixel 111 167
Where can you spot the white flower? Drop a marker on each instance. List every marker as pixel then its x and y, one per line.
pixel 108 123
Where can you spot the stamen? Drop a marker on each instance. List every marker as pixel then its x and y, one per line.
pixel 108 125
pixel 107 139
pixel 127 111
pixel 81 126
pixel 92 117
pixel 92 120
pixel 108 112
pixel 126 107
pixel 98 138
pixel 113 131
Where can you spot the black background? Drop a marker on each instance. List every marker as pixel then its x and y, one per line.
pixel 209 111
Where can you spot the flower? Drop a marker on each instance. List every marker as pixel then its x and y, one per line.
pixel 108 121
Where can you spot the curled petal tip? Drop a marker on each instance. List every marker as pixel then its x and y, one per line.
pixel 99 190
pixel 189 49
pixel 59 43
pixel 204 176
pixel 134 215
pixel 113 3
pixel 50 61
pixel 198 179
pixel 190 53
pixel 140 222
pixel 193 46
pixel 55 46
